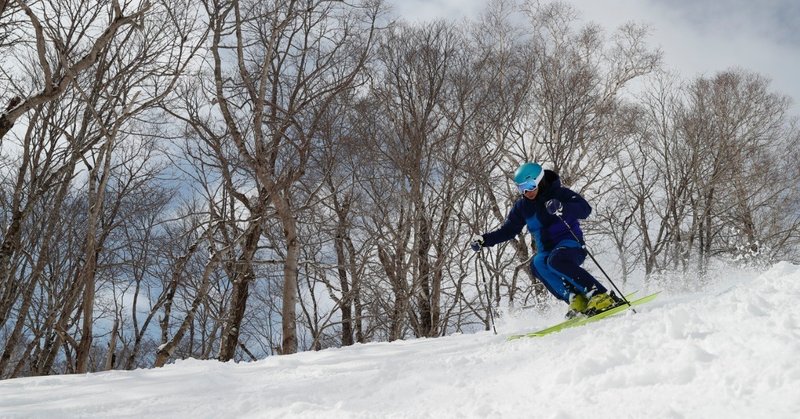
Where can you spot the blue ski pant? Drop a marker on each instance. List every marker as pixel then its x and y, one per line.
pixel 561 273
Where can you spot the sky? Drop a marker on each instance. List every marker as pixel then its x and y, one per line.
pixel 727 349
pixel 698 37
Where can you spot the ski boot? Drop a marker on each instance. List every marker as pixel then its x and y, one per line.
pixel 601 302
pixel 577 305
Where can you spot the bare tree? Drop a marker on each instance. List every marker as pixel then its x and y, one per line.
pixel 736 126
pixel 648 200
pixel 336 220
pixel 505 69
pixel 575 96
pixel 10 19
pixel 84 117
pixel 688 173
pixel 72 55
pixel 290 61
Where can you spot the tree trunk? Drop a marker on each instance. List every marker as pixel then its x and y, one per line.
pixel 290 273
pixel 345 302
pixel 168 347
pixel 425 277
pixel 112 346
pixel 13 339
pixel 97 194
pixel 243 276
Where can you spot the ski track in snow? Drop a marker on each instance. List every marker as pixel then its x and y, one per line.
pixel 728 352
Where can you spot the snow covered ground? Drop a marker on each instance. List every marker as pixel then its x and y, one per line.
pixel 731 351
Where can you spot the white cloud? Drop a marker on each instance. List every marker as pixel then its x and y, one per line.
pixel 423 10
pixel 703 37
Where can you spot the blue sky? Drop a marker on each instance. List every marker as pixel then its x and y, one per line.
pixel 698 37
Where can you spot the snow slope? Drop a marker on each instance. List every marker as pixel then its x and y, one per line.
pixel 731 351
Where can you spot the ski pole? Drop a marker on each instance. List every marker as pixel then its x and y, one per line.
pixel 583 245
pixel 479 266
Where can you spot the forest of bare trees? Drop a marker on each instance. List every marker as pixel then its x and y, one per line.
pixel 234 179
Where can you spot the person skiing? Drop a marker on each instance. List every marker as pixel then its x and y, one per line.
pixel 557 263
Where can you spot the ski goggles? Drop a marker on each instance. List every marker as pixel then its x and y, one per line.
pixel 527 186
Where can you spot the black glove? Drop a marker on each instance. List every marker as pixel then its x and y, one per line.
pixel 554 206
pixel 477 242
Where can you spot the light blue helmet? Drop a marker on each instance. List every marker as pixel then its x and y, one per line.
pixel 528 176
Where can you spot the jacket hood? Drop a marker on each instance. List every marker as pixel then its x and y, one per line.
pixel 551 181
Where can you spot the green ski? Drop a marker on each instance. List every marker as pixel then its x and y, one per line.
pixel 580 321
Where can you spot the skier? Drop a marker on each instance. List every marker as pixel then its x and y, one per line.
pixel 559 256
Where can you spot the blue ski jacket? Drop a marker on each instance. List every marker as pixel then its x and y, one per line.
pixel 547 230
